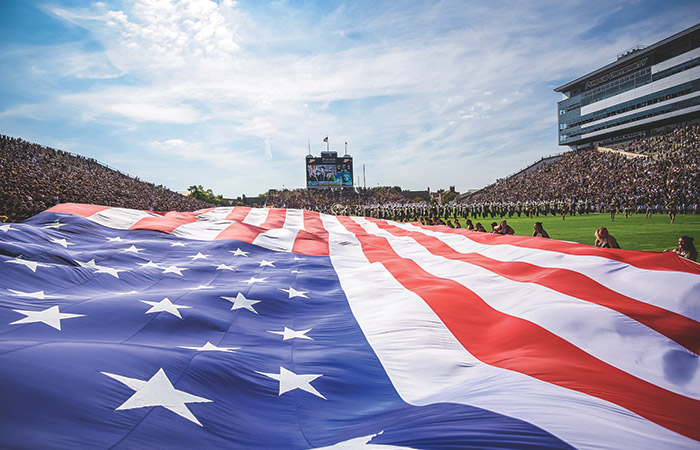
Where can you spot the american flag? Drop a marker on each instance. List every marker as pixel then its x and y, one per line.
pixel 280 328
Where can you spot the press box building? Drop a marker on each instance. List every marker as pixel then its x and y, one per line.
pixel 647 88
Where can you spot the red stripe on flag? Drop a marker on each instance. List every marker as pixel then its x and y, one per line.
pixel 244 232
pixel 681 329
pixel 313 240
pixel 77 209
pixel 239 231
pixel 516 344
pixel 204 211
pixel 165 223
pixel 636 258
pixel 239 213
pixel 275 219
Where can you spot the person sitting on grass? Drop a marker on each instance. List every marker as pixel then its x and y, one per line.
pixel 503 228
pixel 604 239
pixel 539 231
pixel 686 248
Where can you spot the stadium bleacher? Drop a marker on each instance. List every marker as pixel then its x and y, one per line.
pixel 34 178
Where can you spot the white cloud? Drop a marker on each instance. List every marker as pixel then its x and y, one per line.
pixel 422 91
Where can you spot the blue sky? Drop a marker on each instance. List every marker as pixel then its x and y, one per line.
pixel 229 94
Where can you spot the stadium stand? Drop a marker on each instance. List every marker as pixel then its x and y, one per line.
pixel 595 180
pixel 665 177
pixel 34 178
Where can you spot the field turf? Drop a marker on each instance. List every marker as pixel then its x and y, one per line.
pixel 633 233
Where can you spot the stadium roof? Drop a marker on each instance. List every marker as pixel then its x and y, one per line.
pixel 634 54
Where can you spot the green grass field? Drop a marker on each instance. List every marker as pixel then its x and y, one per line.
pixel 633 233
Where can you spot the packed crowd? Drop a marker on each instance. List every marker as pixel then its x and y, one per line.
pixel 673 141
pixel 337 201
pixel 665 179
pixel 599 181
pixel 34 178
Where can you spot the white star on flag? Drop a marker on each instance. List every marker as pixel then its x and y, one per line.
pixel 132 249
pixel 209 347
pixel 240 302
pixel 225 267
pixel 256 280
pixel 294 293
pixel 55 225
pixel 239 252
pixel 100 269
pixel 178 244
pixel 199 255
pixel 51 317
pixel 7 227
pixel 362 442
pixel 61 242
pixel 110 270
pixel 290 381
pixel 158 391
pixel 115 239
pixel 164 305
pixel 288 333
pixel 38 294
pixel 90 264
pixel 174 269
pixel 267 263
pixel 149 264
pixel 32 265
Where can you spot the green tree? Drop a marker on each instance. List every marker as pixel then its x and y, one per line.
pixel 448 197
pixel 207 195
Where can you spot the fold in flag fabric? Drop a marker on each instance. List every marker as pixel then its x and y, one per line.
pixel 272 328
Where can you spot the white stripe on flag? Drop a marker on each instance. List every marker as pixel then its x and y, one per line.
pixel 256 216
pixel 606 334
pixel 428 365
pixel 282 239
pixel 120 218
pixel 217 213
pixel 650 286
pixel 201 230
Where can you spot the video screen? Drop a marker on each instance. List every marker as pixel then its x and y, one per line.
pixel 321 175
pixel 329 172
pixel 344 170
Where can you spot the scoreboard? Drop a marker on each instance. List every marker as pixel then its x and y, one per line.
pixel 329 170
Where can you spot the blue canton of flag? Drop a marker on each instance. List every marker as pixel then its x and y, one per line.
pixel 246 328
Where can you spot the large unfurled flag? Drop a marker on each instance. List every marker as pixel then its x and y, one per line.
pixel 271 328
